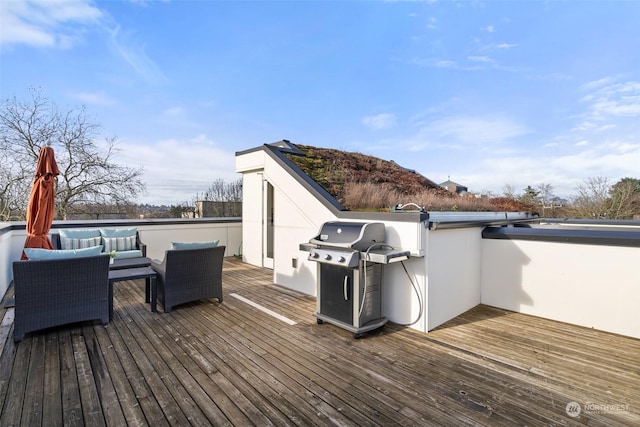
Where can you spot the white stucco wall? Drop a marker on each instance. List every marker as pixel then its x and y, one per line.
pixel 252 217
pixel 589 285
pixel 453 273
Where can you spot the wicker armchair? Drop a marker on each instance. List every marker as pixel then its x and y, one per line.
pixel 55 292
pixel 189 275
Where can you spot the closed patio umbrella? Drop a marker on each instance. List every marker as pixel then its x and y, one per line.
pixel 40 210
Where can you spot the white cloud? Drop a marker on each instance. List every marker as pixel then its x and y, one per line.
pixel 613 160
pixel 175 170
pixel 174 111
pixel 54 23
pixel 94 98
pixel 127 48
pixel 595 84
pixel 616 99
pixel 380 121
pixel 473 130
pixel 479 58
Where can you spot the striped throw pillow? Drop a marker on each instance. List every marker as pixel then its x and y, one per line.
pixel 119 243
pixel 69 243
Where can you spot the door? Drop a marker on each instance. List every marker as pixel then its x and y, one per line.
pixel 267 225
pixel 336 292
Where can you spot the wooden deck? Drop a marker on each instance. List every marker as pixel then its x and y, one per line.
pixel 230 363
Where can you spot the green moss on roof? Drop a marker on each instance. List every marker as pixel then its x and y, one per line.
pixel 332 169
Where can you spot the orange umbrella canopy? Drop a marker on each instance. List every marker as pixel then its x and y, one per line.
pixel 40 210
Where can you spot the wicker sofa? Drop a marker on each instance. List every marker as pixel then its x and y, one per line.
pixel 56 292
pixel 189 275
pixel 56 241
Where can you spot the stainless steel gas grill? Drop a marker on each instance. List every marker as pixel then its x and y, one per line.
pixel 350 257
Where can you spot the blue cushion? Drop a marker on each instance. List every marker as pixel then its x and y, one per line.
pixel 40 254
pixel 194 245
pixel 79 233
pixel 128 254
pixel 118 232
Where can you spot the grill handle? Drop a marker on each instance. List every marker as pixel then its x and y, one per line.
pixel 345 288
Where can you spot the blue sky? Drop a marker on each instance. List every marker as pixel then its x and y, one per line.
pixel 489 93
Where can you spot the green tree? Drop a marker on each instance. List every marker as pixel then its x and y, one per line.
pixel 530 196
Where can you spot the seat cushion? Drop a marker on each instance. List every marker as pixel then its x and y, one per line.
pixel 41 254
pixel 79 233
pixel 194 245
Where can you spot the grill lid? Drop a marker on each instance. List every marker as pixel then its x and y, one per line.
pixel 350 235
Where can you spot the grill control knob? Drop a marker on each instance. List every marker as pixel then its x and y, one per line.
pixel 315 255
pixel 327 257
pixel 341 259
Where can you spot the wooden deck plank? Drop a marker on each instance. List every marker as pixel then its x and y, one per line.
pixel 189 379
pixel 316 357
pixel 32 407
pixel 262 411
pixel 133 387
pixel 52 396
pixel 14 397
pixel 123 393
pixel 276 355
pixel 105 389
pixel 212 363
pixel 157 376
pixel 91 406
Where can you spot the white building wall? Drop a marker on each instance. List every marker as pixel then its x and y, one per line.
pixel 587 285
pixel 298 216
pixel 252 217
pixel 405 299
pixel 453 273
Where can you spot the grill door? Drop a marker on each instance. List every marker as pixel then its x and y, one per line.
pixel 336 292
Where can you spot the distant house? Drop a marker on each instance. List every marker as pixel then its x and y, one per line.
pixel 454 187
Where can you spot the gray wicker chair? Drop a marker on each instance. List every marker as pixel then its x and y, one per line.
pixel 189 275
pixel 56 292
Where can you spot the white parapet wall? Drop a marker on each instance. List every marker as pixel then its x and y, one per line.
pixel 596 286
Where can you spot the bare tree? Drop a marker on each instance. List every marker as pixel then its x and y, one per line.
pixel 88 174
pixel 624 202
pixel 509 191
pixel 545 197
pixel 590 201
pixel 221 191
pixel 13 185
